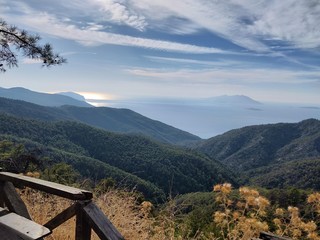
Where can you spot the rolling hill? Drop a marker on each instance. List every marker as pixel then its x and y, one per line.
pixel 165 167
pixel 273 155
pixel 111 119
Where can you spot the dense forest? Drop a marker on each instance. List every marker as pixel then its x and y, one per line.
pixel 169 168
pixel 273 155
pixel 280 160
pixel 110 119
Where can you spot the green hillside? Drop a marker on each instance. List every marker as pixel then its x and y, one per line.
pixel 171 169
pixel 88 167
pixel 303 174
pixel 111 119
pixel 273 155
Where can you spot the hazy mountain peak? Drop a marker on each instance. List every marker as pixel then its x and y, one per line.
pixel 73 95
pixel 233 99
pixel 44 99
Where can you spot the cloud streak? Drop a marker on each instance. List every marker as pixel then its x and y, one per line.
pixel 93 37
pixel 228 76
pixel 246 23
pixel 251 24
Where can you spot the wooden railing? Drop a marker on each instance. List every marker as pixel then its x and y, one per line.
pixel 270 236
pixel 16 223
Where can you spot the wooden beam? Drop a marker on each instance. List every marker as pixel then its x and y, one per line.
pixel 100 223
pixel 83 228
pixel 62 217
pixel 1 197
pixel 46 186
pixel 16 226
pixel 6 234
pixel 12 200
pixel 271 236
pixel 3 211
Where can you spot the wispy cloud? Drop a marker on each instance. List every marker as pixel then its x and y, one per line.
pixel 216 63
pixel 89 37
pixel 118 12
pixel 228 76
pixel 246 23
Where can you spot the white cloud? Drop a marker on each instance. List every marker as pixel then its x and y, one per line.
pixel 246 22
pixel 118 12
pixel 188 61
pixel 293 21
pixel 40 22
pixel 228 76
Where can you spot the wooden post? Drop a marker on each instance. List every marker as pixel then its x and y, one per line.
pixel 83 228
pixel 12 200
pixel 101 224
pixel 1 194
pixel 2 203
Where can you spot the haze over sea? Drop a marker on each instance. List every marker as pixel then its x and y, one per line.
pixel 210 117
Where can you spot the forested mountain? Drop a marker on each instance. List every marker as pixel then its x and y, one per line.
pixel 111 119
pixel 169 168
pixel 273 155
pixel 43 99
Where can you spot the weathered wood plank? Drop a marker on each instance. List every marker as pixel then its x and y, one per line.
pixel 12 200
pixel 23 227
pixel 271 236
pixel 1 197
pixel 83 228
pixel 62 217
pixel 46 186
pixel 100 223
pixel 3 211
pixel 6 234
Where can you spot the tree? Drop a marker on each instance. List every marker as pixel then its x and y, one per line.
pixel 61 173
pixel 21 40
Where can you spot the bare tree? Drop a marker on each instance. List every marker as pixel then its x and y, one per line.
pixel 14 40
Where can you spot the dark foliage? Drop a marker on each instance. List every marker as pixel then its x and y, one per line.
pixel 171 169
pixel 21 40
pixel 273 155
pixel 111 119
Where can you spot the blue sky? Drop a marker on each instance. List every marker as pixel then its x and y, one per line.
pixel 121 49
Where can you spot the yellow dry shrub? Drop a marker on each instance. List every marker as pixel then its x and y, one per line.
pixel 241 220
pixel 289 223
pixel 314 200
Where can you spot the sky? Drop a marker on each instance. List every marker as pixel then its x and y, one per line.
pixel 268 50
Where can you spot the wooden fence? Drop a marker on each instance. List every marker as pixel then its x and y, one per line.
pixel 16 223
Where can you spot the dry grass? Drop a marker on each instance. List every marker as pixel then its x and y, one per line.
pixel 121 207
pixel 237 219
pixel 43 207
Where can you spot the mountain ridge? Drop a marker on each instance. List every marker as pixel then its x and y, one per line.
pixel 43 99
pixel 168 167
pixel 111 119
pixel 263 154
pixel 267 141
